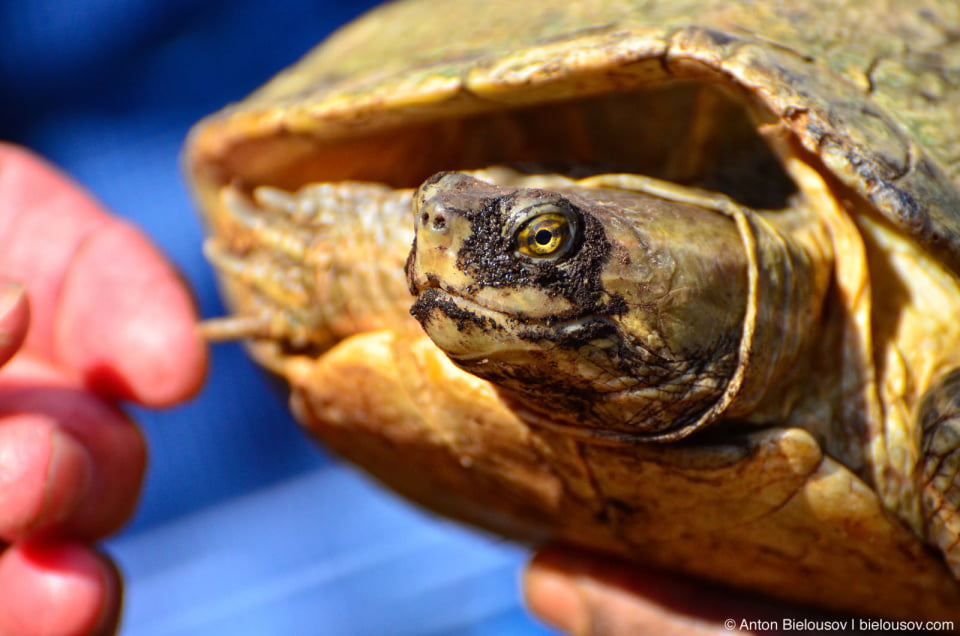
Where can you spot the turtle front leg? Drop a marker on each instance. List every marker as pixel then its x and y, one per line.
pixel 940 467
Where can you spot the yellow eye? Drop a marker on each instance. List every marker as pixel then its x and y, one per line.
pixel 545 235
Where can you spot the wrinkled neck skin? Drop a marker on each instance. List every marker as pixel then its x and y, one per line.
pixel 658 318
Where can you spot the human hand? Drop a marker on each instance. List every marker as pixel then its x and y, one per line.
pixel 582 594
pixel 90 314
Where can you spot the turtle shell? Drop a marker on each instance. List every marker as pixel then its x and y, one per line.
pixel 872 89
pixel 714 94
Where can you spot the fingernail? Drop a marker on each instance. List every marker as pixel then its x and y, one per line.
pixel 69 476
pixel 14 317
pixel 556 600
pixel 44 475
pixel 11 294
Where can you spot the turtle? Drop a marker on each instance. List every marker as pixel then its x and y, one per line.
pixel 683 289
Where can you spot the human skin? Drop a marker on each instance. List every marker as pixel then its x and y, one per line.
pixel 589 595
pixel 91 315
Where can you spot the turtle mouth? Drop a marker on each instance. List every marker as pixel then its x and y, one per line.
pixel 435 294
pixel 432 295
pixel 468 330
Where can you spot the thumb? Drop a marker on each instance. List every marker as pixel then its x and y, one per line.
pixel 14 318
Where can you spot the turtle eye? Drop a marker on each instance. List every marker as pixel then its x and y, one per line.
pixel 547 235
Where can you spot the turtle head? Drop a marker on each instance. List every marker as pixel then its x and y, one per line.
pixel 502 271
pixel 611 311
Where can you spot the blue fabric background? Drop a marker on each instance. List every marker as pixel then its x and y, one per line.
pixel 244 527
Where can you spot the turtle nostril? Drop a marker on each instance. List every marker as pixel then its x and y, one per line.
pixel 435 219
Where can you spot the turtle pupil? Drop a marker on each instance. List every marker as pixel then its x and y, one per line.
pixel 545 235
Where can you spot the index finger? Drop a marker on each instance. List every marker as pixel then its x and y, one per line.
pixel 106 305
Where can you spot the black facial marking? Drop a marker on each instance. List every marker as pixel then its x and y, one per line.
pixel 488 257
